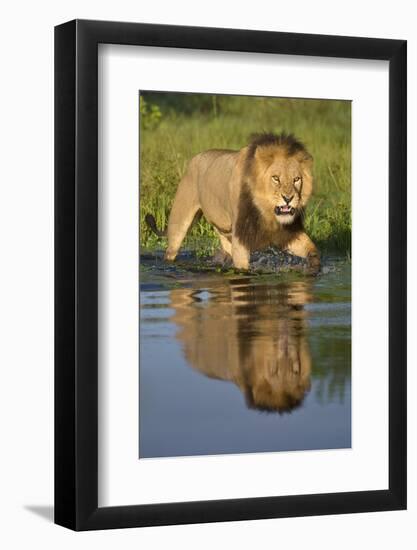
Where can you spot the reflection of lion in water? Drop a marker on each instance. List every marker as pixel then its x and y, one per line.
pixel 252 335
pixel 254 198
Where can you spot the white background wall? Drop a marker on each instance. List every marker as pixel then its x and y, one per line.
pixel 26 289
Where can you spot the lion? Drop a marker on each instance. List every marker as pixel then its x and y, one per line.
pixel 254 198
pixel 251 335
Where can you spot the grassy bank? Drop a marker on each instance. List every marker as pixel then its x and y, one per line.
pixel 174 127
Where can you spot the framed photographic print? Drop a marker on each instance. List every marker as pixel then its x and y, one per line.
pixel 230 337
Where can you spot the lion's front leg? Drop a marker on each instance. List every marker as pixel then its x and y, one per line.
pixel 301 245
pixel 240 254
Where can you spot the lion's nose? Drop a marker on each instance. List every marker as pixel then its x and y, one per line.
pixel 287 199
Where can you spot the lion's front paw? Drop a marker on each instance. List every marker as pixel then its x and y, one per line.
pixel 170 256
pixel 313 263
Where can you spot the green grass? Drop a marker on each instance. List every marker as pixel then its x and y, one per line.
pixel 174 127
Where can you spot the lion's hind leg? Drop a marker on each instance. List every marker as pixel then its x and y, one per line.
pixel 185 210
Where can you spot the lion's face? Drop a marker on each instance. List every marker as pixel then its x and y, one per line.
pixel 278 374
pixel 283 183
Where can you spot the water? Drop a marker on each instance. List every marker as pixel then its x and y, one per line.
pixel 237 364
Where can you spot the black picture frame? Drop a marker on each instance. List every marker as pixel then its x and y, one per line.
pixel 76 272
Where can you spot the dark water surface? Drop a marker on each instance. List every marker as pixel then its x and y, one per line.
pixel 233 364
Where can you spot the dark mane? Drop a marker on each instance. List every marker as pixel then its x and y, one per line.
pixel 289 403
pixel 250 226
pixel 291 144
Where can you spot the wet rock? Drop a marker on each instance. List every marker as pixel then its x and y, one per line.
pixel 272 260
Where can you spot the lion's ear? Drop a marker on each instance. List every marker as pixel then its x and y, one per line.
pixel 305 158
pixel 264 154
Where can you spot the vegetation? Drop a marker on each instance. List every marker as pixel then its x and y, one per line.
pixel 174 127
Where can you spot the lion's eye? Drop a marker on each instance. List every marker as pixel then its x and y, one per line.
pixel 275 179
pixel 297 179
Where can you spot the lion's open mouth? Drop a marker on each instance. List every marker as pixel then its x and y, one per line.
pixel 282 210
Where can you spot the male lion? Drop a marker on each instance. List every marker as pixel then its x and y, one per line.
pixel 254 198
pixel 253 335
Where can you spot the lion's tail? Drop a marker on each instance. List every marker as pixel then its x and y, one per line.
pixel 151 223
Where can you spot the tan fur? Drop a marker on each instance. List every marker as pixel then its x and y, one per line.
pixel 255 338
pixel 238 193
